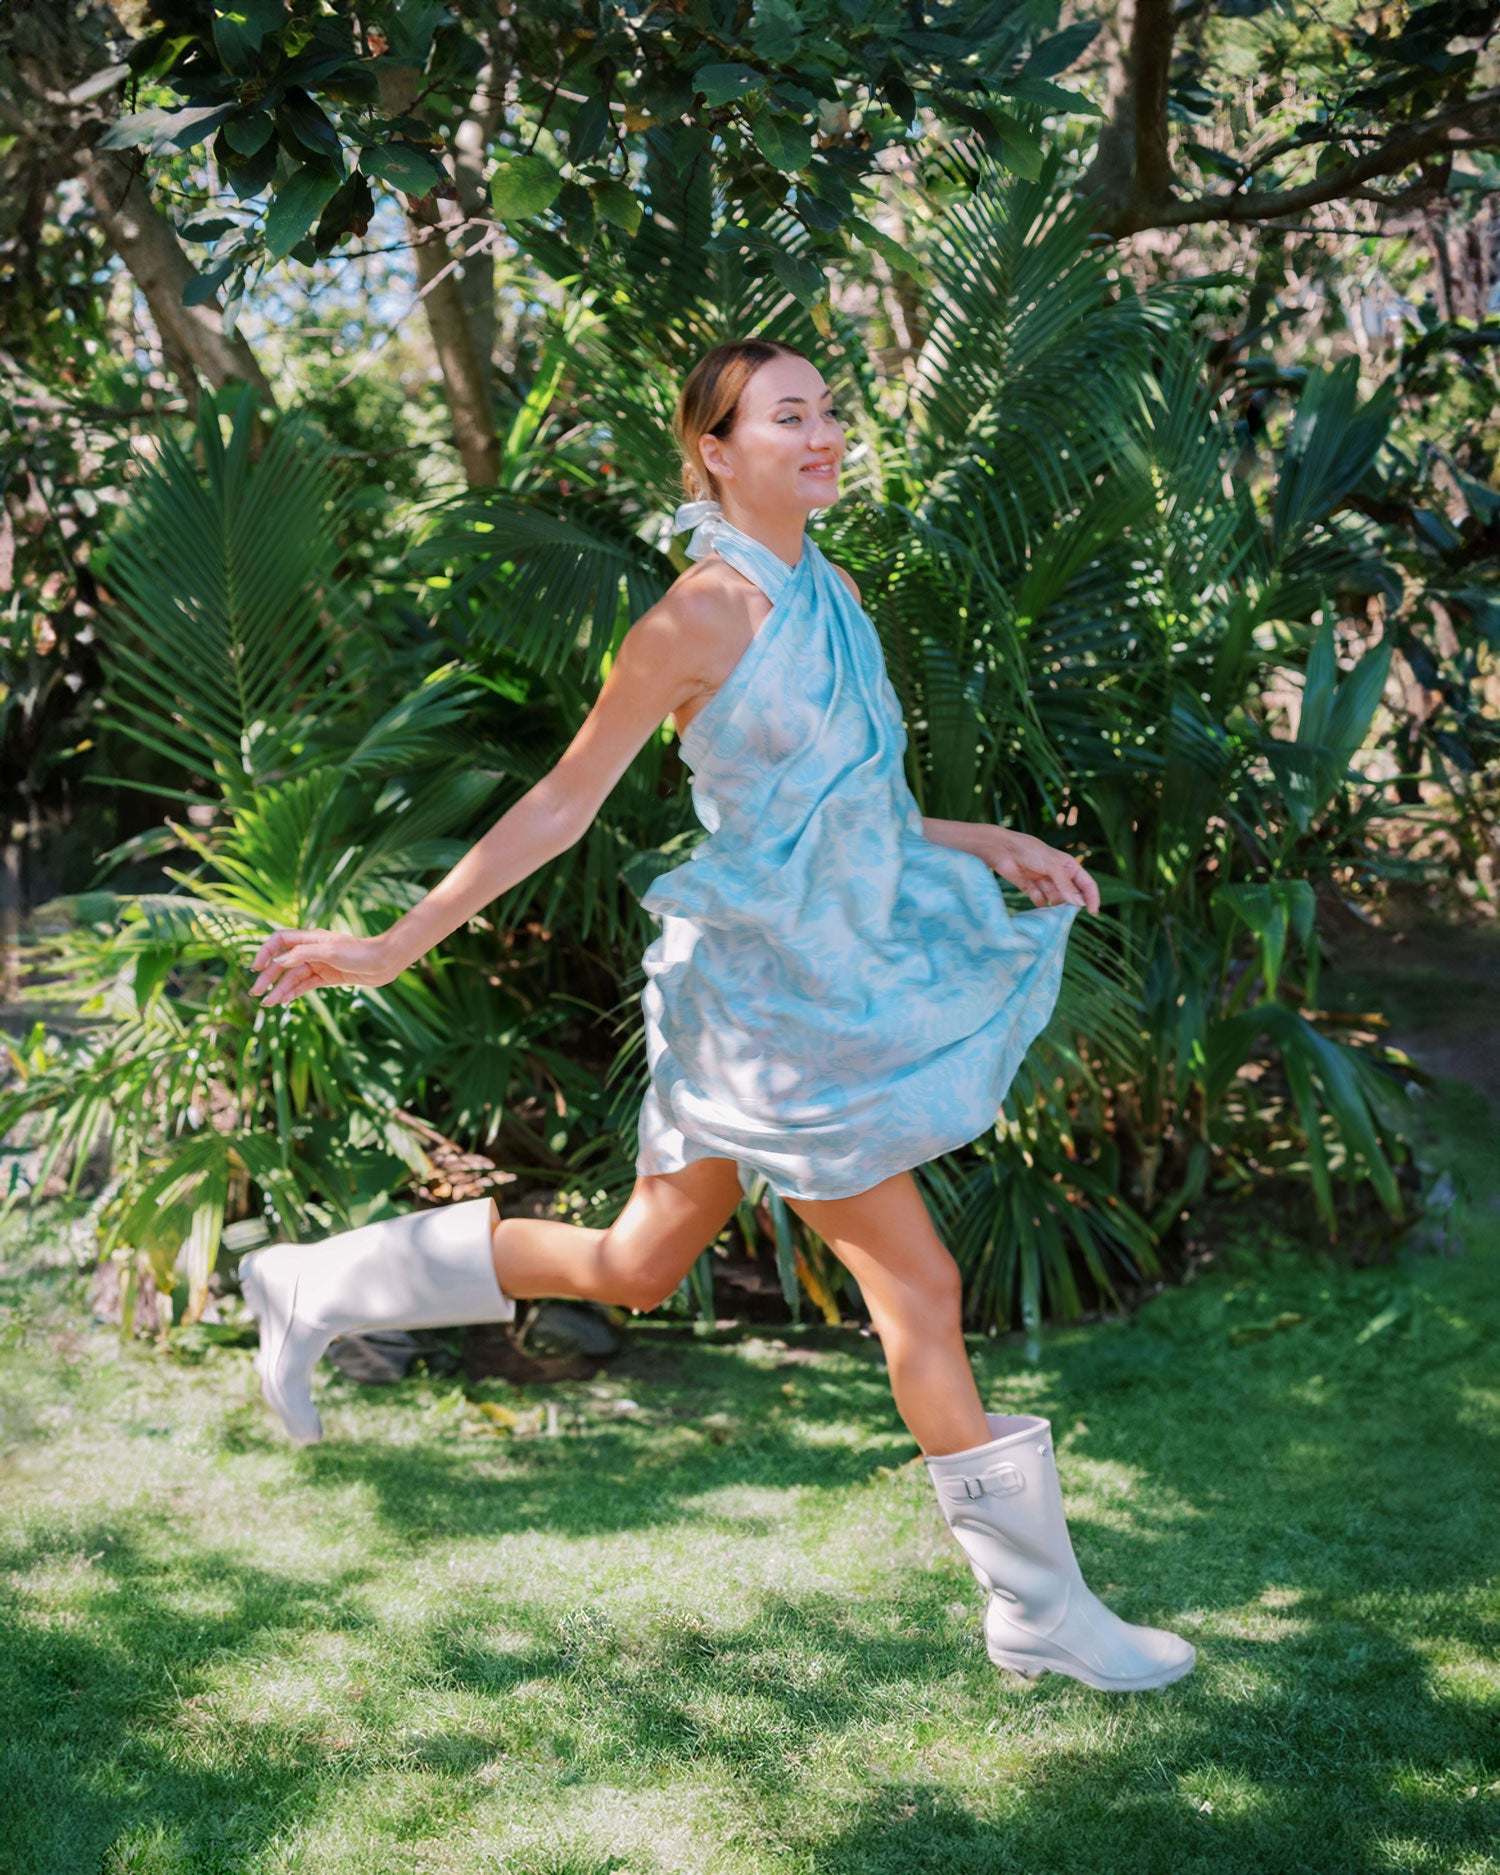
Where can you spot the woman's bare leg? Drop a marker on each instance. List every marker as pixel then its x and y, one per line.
pixel 667 1223
pixel 911 1285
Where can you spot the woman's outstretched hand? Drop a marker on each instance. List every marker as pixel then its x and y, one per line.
pixel 1045 875
pixel 292 962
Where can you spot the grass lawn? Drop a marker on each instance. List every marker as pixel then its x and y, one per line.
pixel 729 1631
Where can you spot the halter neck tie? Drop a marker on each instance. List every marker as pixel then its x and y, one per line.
pixel 706 518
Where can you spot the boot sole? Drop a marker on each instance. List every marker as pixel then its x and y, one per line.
pixel 1029 1667
pixel 258 1304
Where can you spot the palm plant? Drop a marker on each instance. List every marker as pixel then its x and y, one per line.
pixel 229 661
pixel 1080 609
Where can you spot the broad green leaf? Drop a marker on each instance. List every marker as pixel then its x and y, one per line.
pixel 1051 97
pixel 587 131
pixel 403 166
pixel 97 83
pixel 783 141
pixel 726 84
pixel 348 211
pixel 786 1250
pixel 310 125
pixel 523 186
pixel 1332 443
pixel 1061 50
pixel 617 202
pixel 156 54
pixel 776 31
pixel 800 276
pixel 893 251
pixel 249 175
pixel 207 231
pixel 1023 153
pixel 202 287
pixel 240 30
pixel 160 130
pixel 249 134
pixel 295 207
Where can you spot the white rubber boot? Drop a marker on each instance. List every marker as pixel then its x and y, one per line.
pixel 428 1269
pixel 1004 1504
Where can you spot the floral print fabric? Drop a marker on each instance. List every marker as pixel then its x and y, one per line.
pixel 832 997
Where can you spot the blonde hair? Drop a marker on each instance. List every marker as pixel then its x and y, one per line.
pixel 710 399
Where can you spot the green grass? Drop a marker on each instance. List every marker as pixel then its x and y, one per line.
pixel 730 1632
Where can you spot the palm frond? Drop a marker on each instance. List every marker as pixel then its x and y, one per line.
pixel 223 651
pixel 548 586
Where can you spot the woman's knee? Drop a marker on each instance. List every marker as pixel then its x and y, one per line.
pixel 663 1230
pixel 926 1297
pixel 645 1286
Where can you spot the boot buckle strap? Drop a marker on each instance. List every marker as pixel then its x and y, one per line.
pixel 1000 1480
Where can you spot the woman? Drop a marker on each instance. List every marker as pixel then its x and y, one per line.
pixel 837 995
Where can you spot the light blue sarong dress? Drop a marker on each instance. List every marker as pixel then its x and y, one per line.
pixel 832 997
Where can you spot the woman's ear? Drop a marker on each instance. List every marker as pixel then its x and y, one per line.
pixel 712 452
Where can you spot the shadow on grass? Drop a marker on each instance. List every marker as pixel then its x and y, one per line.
pixel 1323 1742
pixel 87 1687
pixel 1056 1776
pixel 1313 1508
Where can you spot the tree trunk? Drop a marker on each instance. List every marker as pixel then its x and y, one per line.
pixel 471 143
pixel 1150 75
pixel 1107 177
pixel 1131 169
pixel 466 378
pixel 465 368
pixel 147 243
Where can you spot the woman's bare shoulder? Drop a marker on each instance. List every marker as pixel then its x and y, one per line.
pixel 697 597
pixel 706 612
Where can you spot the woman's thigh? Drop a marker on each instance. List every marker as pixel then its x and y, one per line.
pixel 886 1239
pixel 668 1221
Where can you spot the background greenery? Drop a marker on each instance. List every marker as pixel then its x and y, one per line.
pixel 1172 504
pixel 338 344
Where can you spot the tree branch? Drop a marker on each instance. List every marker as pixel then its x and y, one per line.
pixel 1480 117
pixel 192 336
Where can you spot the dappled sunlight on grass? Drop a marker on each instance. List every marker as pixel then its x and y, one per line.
pixel 729 1631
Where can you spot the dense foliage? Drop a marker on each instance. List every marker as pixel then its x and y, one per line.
pixel 1083 610
pixel 1181 555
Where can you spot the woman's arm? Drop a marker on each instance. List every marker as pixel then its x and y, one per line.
pixel 969 836
pixel 1046 875
pixel 539 827
pixel 656 670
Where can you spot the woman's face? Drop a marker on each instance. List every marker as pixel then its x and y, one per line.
pixel 787 444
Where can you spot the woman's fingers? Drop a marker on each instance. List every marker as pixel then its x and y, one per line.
pixel 299 978
pixel 1049 877
pixel 1088 891
pixel 1073 886
pixel 293 961
pixel 274 943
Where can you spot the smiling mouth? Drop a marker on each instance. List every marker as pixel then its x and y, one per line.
pixel 827 471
